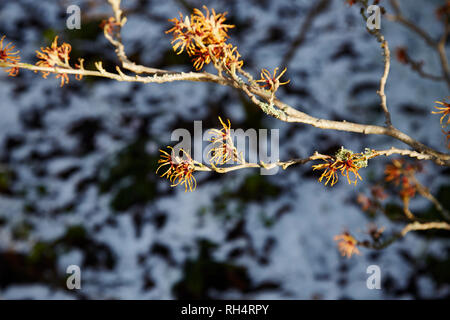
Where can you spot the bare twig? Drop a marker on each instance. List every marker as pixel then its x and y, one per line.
pixel 439 46
pixel 443 54
pixel 417 66
pixel 304 28
pixel 406 209
pixel 268 166
pixel 387 64
pixel 120 49
pixel 381 93
pixel 424 192
pixel 413 226
pixel 301 161
pixel 404 152
pixel 100 72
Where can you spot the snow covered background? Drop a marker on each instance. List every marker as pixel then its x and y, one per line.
pixel 78 183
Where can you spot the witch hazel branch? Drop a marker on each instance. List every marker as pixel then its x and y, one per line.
pixel 204 36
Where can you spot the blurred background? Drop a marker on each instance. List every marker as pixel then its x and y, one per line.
pixel 77 164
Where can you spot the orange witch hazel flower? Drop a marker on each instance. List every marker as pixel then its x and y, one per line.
pixel 399 173
pixel 55 56
pixel 180 169
pixel 223 149
pixel 330 173
pixel 444 110
pixel 204 36
pixel 8 55
pixel 397 169
pixel 347 245
pixel 394 171
pixel 270 82
pixel 346 162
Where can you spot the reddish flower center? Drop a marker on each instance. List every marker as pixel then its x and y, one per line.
pixel 3 55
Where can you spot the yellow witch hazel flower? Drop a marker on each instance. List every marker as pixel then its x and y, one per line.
pixel 55 56
pixel 270 82
pixel 223 149
pixel 346 162
pixel 444 110
pixel 180 170
pixel 347 245
pixel 8 54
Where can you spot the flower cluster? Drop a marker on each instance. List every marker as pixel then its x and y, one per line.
pixel 55 56
pixel 347 244
pixel 9 55
pixel 180 170
pixel 404 175
pixel 204 37
pixel 345 162
pixel 223 149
